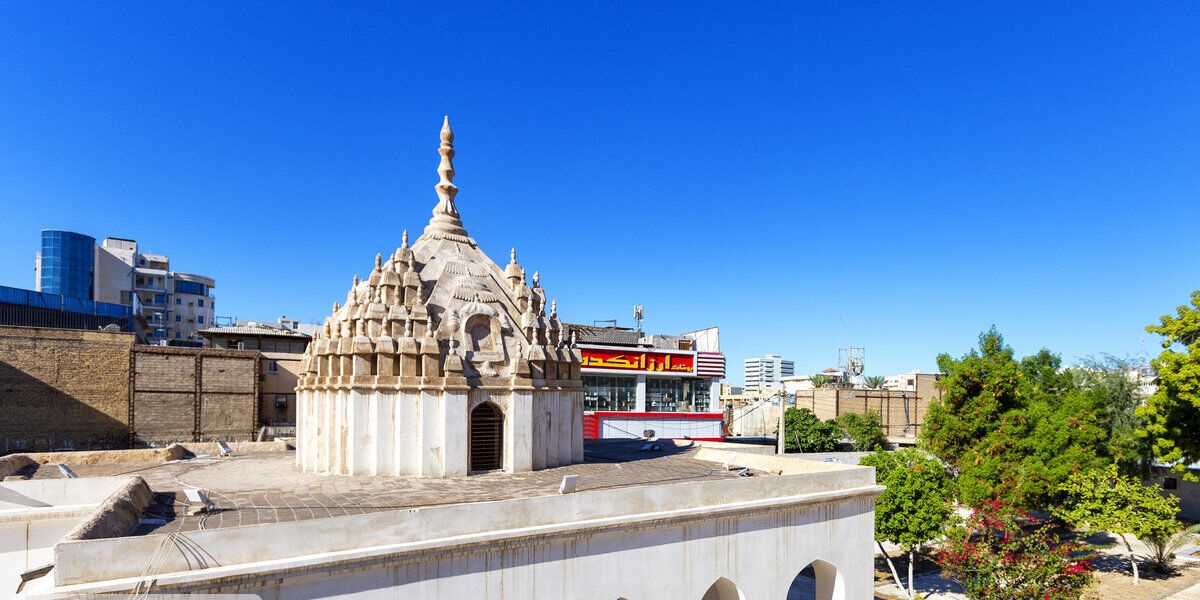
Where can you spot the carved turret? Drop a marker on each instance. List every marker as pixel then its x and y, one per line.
pixel 445 215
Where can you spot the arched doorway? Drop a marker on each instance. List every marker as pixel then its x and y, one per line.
pixel 723 589
pixel 486 438
pixel 818 581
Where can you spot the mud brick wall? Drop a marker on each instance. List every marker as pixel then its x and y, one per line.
pixel 63 389
pixel 188 394
pixel 902 412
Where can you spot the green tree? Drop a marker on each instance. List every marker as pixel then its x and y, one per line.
pixel 1114 385
pixel 865 430
pixel 874 382
pixel 804 432
pixel 1003 554
pixel 1103 500
pixel 1172 413
pixel 916 505
pixel 820 380
pixel 1011 430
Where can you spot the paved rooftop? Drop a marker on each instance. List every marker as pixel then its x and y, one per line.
pixel 267 487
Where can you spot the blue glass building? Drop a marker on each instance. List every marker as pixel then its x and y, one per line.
pixel 67 263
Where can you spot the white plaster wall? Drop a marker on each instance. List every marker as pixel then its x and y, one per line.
pixel 29 543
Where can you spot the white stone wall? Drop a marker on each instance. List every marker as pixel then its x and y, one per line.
pixel 667 541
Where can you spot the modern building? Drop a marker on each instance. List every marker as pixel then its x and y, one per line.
pixel 635 384
pixel 175 305
pixel 767 372
pixel 282 349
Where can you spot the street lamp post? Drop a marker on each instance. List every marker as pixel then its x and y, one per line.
pixel 779 439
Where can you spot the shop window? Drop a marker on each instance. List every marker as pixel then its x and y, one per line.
pixel 609 393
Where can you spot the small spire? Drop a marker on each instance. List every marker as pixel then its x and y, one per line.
pixel 336 307
pixel 445 215
pixel 378 260
pixel 513 256
pixel 408 330
pixel 553 308
pixel 355 281
pixel 404 239
pixel 537 279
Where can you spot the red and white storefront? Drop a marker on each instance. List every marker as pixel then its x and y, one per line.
pixel 629 391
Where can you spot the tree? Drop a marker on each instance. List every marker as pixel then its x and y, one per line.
pixel 995 558
pixel 1103 500
pixel 1011 430
pixel 804 432
pixel 916 505
pixel 874 382
pixel 1173 412
pixel 820 380
pixel 1114 385
pixel 865 430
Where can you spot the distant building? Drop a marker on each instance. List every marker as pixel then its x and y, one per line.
pixel 667 384
pixel 767 372
pixel 282 348
pixel 175 305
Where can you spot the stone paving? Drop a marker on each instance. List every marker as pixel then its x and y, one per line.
pixel 267 487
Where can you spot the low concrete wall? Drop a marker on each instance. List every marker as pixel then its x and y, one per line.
pixel 85 491
pixel 110 457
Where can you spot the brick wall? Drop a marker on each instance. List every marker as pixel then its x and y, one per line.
pixel 189 394
pixel 62 389
pixel 901 412
pixel 89 390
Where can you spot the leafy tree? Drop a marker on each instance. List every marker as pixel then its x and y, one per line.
pixel 1103 500
pixel 864 430
pixel 874 382
pixel 804 432
pixel 916 505
pixel 820 380
pixel 994 558
pixel 1114 386
pixel 1173 412
pixel 1011 430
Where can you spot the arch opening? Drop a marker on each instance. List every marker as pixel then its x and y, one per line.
pixel 818 580
pixel 723 589
pixel 486 438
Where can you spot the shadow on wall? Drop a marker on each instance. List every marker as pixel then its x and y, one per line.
pixel 36 416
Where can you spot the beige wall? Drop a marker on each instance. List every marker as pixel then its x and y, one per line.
pixel 189 394
pixel 63 388
pixel 281 383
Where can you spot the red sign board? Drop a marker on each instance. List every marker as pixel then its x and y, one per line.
pixel 639 360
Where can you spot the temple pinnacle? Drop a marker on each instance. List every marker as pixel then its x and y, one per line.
pixel 445 215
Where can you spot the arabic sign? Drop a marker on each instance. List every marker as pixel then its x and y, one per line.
pixel 639 360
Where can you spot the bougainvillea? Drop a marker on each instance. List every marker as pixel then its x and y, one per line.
pixel 1001 553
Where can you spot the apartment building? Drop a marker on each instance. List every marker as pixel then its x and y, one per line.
pixel 767 372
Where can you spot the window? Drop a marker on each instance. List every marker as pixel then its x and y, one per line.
pixel 160 298
pixel 200 319
pixel 281 401
pixel 1170 483
pixel 609 393
pixel 178 301
pixel 191 287
pixel 200 303
pixel 178 318
pixel 177 335
pixel 272 366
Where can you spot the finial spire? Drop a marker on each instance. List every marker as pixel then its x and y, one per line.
pixel 404 239
pixel 445 215
pixel 513 255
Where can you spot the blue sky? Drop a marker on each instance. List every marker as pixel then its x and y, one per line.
pixel 805 175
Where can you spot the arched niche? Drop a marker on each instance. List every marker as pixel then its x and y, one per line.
pixel 818 580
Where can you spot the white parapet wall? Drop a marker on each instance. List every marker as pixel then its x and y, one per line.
pixel 666 541
pixel 35 514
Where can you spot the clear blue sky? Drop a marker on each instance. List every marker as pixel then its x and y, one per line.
pixel 806 175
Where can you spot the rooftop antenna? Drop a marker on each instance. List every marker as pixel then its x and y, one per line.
pixel 851 361
pixel 639 313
